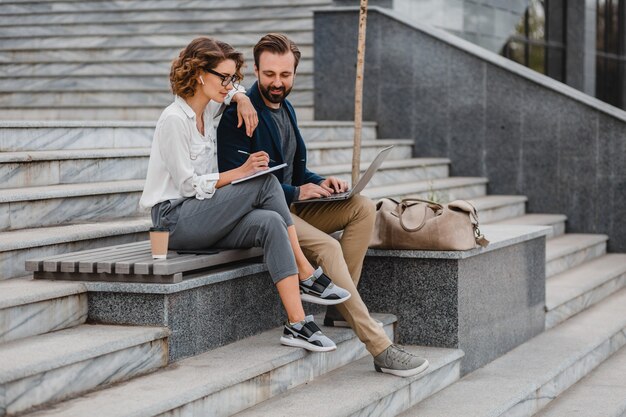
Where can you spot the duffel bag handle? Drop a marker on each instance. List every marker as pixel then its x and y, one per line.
pixel 405 203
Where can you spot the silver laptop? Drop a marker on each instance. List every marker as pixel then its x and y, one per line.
pixel 361 183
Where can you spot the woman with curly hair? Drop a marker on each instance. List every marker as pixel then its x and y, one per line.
pixel 200 206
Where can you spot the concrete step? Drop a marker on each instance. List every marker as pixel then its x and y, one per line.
pixel 54 205
pixel 238 40
pixel 526 379
pixel 356 389
pixel 18 7
pixel 67 135
pixel 63 364
pixel 575 289
pixel 393 171
pixel 39 168
pixel 209 27
pixel 16 247
pixel 492 208
pixel 223 381
pixel 340 152
pixel 29 308
pixel 131 84
pixel 555 221
pixel 140 98
pixel 154 53
pixel 602 393
pixel 445 189
pixel 121 69
pixel 572 249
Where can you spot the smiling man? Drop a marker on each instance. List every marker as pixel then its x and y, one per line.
pixel 276 59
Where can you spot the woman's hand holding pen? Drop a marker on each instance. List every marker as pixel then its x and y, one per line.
pixel 258 161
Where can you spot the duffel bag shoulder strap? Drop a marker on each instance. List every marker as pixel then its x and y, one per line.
pixel 406 203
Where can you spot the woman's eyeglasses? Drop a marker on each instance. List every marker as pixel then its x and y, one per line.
pixel 226 79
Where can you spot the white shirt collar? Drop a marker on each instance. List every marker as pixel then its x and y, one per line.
pixel 186 107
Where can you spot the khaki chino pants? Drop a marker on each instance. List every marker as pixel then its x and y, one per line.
pixel 342 260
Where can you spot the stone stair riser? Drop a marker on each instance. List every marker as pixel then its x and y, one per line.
pixel 12 262
pixel 67 138
pixel 42 317
pixel 146 16
pixel 111 99
pixel 73 171
pixel 124 83
pixel 343 155
pixel 147 53
pixel 212 28
pixel 80 377
pixel 408 396
pixel 563 263
pixel 397 175
pixel 444 195
pixel 57 211
pixel 122 113
pixel 545 393
pixel 125 68
pixel 500 213
pixel 561 313
pixel 265 386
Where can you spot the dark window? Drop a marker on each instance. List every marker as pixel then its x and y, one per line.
pixel 538 41
pixel 609 51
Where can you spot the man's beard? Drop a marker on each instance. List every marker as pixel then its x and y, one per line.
pixel 278 97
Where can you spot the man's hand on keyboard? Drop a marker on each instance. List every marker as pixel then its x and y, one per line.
pixel 334 185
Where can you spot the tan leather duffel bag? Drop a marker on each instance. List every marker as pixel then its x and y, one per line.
pixel 414 223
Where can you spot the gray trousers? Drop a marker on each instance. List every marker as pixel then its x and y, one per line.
pixel 253 213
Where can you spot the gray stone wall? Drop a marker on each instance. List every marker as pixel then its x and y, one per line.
pixel 526 133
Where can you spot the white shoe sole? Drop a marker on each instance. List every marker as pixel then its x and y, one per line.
pixel 316 300
pixel 406 372
pixel 289 341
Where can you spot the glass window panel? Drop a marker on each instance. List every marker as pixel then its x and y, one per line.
pixel 537 58
pixel 555 58
pixel 515 52
pixel 536 21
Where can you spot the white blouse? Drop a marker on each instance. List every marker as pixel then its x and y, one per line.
pixel 183 162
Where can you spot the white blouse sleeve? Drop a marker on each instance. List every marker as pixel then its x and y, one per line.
pixel 232 93
pixel 174 147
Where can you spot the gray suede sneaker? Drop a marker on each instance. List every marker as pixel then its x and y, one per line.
pixel 397 361
pixel 319 289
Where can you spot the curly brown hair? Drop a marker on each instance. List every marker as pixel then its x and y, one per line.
pixel 201 54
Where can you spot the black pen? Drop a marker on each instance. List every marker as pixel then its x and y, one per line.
pixel 248 153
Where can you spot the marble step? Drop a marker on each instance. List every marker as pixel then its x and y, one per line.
pixel 555 221
pixel 340 152
pixel 39 168
pixel 128 83
pixel 45 6
pixel 444 189
pixel 305 113
pixel 209 27
pixel 253 12
pixel 526 379
pixel 602 393
pixel 119 69
pixel 55 205
pixel 158 41
pixel 393 171
pixel 223 381
pixel 59 365
pixel 29 308
pixel 572 249
pixel 140 98
pixel 16 247
pixel 492 208
pixel 357 390
pixel 108 55
pixel 574 290
pixel 67 135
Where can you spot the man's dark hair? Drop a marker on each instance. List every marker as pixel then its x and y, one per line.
pixel 276 43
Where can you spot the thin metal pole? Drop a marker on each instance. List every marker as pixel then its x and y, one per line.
pixel 358 94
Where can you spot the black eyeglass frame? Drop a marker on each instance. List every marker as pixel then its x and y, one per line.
pixel 226 79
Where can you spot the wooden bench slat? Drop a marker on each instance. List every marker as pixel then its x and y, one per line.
pixel 71 255
pixel 182 264
pixel 127 266
pixel 72 264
